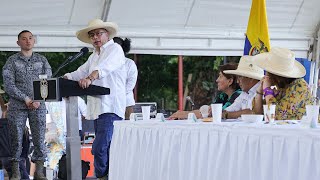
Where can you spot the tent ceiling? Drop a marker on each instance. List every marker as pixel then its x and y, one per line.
pixel 186 27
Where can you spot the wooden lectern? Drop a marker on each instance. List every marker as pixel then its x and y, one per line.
pixel 54 89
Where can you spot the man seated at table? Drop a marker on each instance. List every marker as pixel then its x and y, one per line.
pixel 249 76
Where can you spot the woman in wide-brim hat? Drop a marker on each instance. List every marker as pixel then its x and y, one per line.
pixel 290 91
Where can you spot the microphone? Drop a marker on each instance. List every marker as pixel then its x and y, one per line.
pixel 70 59
pixel 188 98
pixel 82 52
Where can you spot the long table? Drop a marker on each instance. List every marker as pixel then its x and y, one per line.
pixel 178 150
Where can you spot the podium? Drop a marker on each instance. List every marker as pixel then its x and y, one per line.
pixel 60 87
pixel 54 89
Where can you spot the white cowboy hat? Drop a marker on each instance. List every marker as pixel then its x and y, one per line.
pixel 246 68
pixel 111 27
pixel 281 62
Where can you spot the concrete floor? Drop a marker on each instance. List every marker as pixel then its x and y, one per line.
pixel 7 178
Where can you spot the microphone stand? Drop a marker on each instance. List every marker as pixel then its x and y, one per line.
pixel 66 62
pixel 192 105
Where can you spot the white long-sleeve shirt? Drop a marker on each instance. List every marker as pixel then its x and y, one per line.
pixel 244 100
pixel 110 64
pixel 132 75
pixel 82 111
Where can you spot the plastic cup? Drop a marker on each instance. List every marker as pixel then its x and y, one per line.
pixel 312 115
pixel 216 112
pixel 145 113
pixel 269 112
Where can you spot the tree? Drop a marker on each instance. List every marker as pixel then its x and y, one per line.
pixel 54 59
pixel 158 76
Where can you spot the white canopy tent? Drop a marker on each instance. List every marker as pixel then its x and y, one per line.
pixel 174 27
pixel 171 27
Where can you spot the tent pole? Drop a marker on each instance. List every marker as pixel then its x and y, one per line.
pixel 135 90
pixel 316 56
pixel 180 82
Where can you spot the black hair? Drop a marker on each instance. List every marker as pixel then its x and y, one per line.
pixel 279 81
pixel 230 66
pixel 24 31
pixel 125 44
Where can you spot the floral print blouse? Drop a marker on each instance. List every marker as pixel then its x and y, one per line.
pixel 291 102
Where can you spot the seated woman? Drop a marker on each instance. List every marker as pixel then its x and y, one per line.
pixel 228 87
pixel 291 93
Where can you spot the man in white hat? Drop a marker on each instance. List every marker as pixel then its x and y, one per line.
pixel 105 67
pixel 249 76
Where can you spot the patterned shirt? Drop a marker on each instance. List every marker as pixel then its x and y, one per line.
pixel 225 100
pixel 18 75
pixel 291 102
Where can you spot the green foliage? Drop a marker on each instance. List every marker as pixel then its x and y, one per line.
pixel 157 80
pixel 204 72
pixel 57 58
pixel 54 59
pixel 158 76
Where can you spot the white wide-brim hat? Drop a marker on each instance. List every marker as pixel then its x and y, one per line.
pixel 281 62
pixel 246 68
pixel 111 27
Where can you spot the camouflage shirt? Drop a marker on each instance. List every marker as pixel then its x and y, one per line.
pixel 18 74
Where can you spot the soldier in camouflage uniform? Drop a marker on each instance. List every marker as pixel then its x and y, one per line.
pixel 18 73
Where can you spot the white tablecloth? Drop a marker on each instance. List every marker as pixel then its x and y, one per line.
pixel 178 150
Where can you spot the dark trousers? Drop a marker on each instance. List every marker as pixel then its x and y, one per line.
pixel 24 172
pixel 16 124
pixel 103 127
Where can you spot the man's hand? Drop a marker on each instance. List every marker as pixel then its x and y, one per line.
pixel 84 83
pixel 35 105
pixel 266 81
pixel 179 115
pixel 31 104
pixel 28 102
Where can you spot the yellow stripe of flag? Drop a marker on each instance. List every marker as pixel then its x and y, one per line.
pixel 257 30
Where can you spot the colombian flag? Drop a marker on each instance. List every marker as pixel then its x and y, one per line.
pixel 257 36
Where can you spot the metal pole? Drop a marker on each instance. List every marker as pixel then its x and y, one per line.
pixel 73 140
pixel 180 82
pixel 135 90
pixel 316 68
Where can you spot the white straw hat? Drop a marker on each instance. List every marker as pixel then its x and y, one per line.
pixel 281 62
pixel 111 27
pixel 246 68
